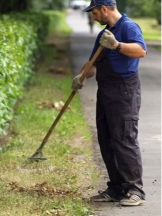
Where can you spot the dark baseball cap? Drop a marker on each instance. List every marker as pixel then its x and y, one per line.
pixel 95 3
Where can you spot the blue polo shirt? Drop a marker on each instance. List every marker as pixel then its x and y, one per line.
pixel 128 32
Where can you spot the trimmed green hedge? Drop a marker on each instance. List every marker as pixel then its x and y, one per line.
pixel 21 38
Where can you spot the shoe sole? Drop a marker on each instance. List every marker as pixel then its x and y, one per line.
pixel 125 203
pixel 104 200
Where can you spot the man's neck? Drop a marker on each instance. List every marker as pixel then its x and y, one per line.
pixel 114 18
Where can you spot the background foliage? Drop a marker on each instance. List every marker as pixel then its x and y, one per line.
pixel 21 37
pixel 138 8
pixel 151 8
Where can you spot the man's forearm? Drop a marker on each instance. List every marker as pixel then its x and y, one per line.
pixel 132 50
pixel 91 72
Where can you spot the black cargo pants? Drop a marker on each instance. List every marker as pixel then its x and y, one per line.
pixel 117 111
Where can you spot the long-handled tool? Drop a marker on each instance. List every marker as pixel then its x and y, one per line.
pixel 38 154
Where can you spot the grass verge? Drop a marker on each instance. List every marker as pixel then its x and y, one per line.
pixel 151 30
pixel 59 185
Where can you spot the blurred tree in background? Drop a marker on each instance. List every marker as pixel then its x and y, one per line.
pixel 47 4
pixel 22 5
pixel 13 5
pixel 138 8
pixel 157 10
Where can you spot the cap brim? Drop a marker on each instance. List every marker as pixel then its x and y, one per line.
pixel 89 8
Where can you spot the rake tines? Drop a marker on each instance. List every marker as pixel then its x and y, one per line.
pixel 37 156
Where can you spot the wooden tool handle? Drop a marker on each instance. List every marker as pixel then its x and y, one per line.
pixel 90 63
pixel 86 70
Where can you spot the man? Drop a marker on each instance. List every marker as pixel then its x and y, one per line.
pixel 90 21
pixel 118 102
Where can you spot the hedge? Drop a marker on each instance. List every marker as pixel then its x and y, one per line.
pixel 21 39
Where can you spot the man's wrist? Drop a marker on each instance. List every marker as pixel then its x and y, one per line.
pixel 118 47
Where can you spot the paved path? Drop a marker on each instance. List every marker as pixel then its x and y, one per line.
pixel 149 125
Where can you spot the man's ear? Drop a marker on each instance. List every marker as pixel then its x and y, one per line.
pixel 103 8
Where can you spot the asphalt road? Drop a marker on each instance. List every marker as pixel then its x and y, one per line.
pixel 149 125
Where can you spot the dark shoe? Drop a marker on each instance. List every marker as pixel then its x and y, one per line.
pixel 103 196
pixel 131 200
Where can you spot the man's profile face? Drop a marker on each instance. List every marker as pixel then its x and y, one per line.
pixel 99 15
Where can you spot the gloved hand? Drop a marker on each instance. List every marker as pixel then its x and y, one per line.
pixel 76 84
pixel 108 40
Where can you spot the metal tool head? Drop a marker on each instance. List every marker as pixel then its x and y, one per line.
pixel 37 156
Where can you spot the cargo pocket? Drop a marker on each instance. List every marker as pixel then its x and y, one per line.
pixel 130 128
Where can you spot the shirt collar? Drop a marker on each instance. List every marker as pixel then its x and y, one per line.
pixel 117 23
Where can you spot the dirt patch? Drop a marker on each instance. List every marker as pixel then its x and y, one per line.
pixel 61 62
pixel 42 189
pixel 4 140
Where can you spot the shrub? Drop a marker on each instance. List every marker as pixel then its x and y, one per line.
pixel 21 39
